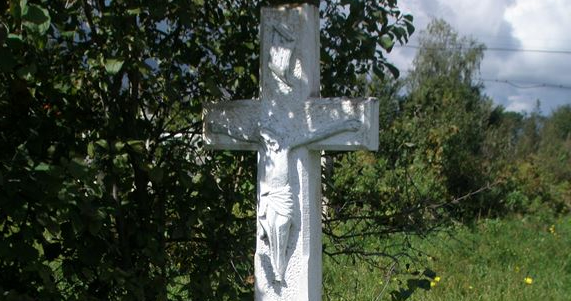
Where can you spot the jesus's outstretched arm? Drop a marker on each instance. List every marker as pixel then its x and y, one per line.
pixel 233 132
pixel 351 125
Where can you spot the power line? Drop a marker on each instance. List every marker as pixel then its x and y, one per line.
pixel 513 83
pixel 504 49
pixel 520 85
pixel 528 86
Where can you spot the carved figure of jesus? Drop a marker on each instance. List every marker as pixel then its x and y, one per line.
pixel 276 202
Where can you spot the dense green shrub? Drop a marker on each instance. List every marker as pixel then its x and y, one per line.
pixel 105 190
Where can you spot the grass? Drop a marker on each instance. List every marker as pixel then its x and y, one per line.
pixel 525 258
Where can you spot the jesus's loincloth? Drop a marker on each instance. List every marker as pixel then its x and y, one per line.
pixel 275 213
pixel 278 199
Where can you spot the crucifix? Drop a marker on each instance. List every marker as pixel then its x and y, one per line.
pixel 289 126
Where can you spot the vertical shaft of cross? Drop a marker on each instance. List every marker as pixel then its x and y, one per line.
pixel 289 53
pixel 290 73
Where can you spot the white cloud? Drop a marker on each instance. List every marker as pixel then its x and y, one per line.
pixel 519 104
pixel 541 24
pixel 515 24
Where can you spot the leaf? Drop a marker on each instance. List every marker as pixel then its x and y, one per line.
pixel 119 146
pixel 239 69
pixel 137 145
pixel 91 149
pixel 119 161
pixel 409 25
pixel 112 66
pixel 36 19
pixel 134 11
pixel 378 71
pixel 401 34
pixel 387 42
pixel 69 34
pixel 77 168
pixel 14 41
pixel 394 70
pixel 18 8
pixel 92 63
pixel 143 68
pixel 42 167
pixel 102 143
pixel 409 18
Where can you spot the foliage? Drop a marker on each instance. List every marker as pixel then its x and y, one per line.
pixel 446 154
pixel 554 151
pixel 105 190
pixel 430 156
pixel 528 154
pixel 542 173
pixel 447 108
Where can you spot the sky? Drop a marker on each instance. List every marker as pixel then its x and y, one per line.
pixel 537 64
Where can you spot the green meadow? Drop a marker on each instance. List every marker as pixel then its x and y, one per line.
pixel 518 258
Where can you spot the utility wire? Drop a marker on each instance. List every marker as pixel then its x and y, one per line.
pixel 529 86
pixel 521 85
pixel 504 49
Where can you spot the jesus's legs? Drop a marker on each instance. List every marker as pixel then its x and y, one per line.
pixel 278 227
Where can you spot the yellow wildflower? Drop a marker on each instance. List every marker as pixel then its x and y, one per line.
pixel 528 280
pixel 437 279
pixel 552 229
pixel 432 284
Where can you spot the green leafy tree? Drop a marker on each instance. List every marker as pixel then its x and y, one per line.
pixel 530 136
pixel 554 158
pixel 446 105
pixel 105 190
pixel 554 149
pixel 446 154
pixel 529 154
pixel 430 156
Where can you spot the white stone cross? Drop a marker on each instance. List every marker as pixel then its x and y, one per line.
pixel 288 127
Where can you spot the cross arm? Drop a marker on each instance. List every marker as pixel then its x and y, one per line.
pixel 342 123
pixel 231 125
